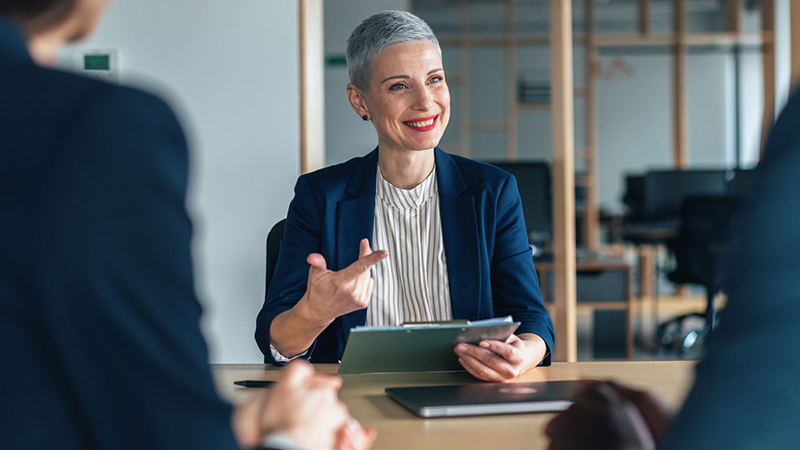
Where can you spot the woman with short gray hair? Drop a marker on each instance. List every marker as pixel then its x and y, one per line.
pixel 378 32
pixel 407 233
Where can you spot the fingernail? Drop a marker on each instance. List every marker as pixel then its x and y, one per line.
pixel 461 347
pixel 353 424
pixel 484 344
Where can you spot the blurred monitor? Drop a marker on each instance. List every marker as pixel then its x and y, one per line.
pixel 665 190
pixel 533 180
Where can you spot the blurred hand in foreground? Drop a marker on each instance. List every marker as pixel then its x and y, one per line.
pixel 609 416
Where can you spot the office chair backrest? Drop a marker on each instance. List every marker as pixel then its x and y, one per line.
pixel 273 248
pixel 535 189
pixel 707 231
pixel 634 195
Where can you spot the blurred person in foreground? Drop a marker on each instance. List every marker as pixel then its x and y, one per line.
pixel 745 394
pixel 406 233
pixel 99 323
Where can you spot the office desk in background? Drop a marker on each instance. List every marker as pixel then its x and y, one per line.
pixel 399 429
pixel 603 286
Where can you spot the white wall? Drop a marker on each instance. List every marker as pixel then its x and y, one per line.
pixel 634 121
pixel 783 53
pixel 231 70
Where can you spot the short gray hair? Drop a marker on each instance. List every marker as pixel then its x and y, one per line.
pixel 376 33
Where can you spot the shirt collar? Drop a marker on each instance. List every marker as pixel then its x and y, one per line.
pixel 407 198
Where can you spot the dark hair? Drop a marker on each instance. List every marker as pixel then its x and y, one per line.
pixel 37 15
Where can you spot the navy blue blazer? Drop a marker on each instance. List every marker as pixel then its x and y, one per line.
pixel 745 393
pixel 489 261
pixel 99 323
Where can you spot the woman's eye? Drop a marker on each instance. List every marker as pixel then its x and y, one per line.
pixel 397 87
pixel 435 79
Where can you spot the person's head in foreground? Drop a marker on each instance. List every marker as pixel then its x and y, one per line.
pixel 49 24
pixel 97 310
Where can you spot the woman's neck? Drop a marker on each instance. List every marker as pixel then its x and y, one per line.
pixel 405 169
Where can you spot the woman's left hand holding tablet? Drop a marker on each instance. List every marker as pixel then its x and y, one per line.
pixel 502 361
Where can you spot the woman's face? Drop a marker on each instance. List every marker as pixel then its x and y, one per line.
pixel 408 100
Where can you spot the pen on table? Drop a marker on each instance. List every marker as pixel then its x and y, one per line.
pixel 253 383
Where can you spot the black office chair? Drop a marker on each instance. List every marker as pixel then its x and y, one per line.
pixel 634 196
pixel 274 238
pixel 273 248
pixel 701 253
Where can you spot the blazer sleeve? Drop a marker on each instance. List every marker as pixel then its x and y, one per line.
pixel 115 248
pixel 301 237
pixel 515 285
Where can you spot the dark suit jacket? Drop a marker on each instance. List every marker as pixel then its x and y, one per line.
pixel 746 393
pixel 489 261
pixel 99 324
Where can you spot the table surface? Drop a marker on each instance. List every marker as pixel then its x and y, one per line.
pixel 399 429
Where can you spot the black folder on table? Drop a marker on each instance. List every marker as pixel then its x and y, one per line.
pixel 418 347
pixel 485 398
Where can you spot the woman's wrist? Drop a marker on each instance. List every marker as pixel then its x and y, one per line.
pixel 537 348
pixel 307 315
pixel 293 331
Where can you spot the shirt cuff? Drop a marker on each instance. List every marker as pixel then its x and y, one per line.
pixel 283 359
pixel 280 441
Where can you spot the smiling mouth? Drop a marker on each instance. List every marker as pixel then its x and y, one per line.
pixel 424 124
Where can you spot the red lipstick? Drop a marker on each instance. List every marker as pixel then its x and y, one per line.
pixel 435 119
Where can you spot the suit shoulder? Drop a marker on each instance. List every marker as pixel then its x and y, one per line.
pixel 52 96
pixel 332 177
pixel 124 113
pixel 130 102
pixel 82 93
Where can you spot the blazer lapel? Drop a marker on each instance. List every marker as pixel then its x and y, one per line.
pixel 355 217
pixel 460 238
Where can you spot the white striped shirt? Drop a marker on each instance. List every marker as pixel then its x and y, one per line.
pixel 411 285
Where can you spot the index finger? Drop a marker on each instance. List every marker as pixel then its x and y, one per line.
pixel 507 351
pixel 364 263
pixel 296 374
pixel 363 248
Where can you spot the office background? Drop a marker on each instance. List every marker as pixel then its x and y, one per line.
pixel 231 71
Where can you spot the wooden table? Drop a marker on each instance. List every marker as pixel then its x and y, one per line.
pixel 399 429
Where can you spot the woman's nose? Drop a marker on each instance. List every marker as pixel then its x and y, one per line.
pixel 423 101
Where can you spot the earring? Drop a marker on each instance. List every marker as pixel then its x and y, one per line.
pixel 365 117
